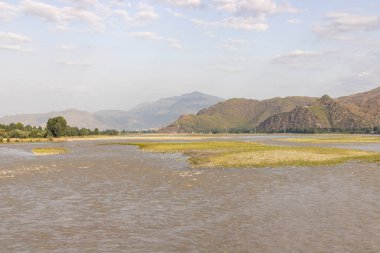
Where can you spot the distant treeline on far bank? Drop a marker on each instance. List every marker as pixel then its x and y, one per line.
pixel 55 127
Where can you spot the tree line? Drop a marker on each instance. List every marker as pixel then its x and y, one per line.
pixel 55 127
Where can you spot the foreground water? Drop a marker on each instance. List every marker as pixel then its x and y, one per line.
pixel 120 199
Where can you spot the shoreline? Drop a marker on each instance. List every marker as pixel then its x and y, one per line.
pixel 172 137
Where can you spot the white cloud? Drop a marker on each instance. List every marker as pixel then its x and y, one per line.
pixel 9 37
pixel 14 41
pixel 7 11
pixel 246 23
pixel 175 43
pixel 42 10
pixel 14 48
pixel 119 3
pixel 250 15
pixel 238 23
pixel 337 24
pixel 174 13
pixel 295 56
pixel 144 14
pixel 61 16
pixel 256 7
pixel 184 3
pixel 77 14
pixel 82 3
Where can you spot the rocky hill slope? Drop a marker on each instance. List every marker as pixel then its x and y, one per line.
pixel 237 113
pixel 325 113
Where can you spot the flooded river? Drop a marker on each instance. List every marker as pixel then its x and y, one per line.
pixel 120 199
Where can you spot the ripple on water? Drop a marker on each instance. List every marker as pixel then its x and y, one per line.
pixel 12 152
pixel 120 199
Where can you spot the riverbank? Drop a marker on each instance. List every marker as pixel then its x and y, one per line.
pixel 292 138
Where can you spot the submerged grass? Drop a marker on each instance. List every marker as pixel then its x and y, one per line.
pixel 335 139
pixel 49 151
pixel 254 155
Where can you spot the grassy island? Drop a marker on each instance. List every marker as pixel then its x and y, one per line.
pixel 254 155
pixel 49 151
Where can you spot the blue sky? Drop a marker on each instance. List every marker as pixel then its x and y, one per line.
pixel 94 54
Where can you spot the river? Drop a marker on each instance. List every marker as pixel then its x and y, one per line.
pixel 120 199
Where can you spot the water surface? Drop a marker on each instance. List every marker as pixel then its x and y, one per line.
pixel 120 199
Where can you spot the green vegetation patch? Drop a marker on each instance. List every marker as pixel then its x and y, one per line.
pixel 49 151
pixel 254 155
pixel 335 139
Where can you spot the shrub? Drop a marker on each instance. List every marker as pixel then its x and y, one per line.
pixel 18 134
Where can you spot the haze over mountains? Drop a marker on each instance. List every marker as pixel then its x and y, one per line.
pixel 144 116
pixel 356 111
pixel 198 112
pixel 159 113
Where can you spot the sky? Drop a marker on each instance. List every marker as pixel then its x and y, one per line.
pixel 96 55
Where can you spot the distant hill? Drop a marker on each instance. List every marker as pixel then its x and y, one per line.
pixel 145 116
pixel 325 113
pixel 237 113
pixel 159 113
pixel 360 110
pixel 81 119
pixel 367 104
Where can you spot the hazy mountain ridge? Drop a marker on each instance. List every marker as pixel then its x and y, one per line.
pixel 81 119
pixel 159 113
pixel 144 116
pixel 360 110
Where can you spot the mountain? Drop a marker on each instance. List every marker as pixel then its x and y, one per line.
pixel 367 104
pixel 159 113
pixel 360 110
pixel 145 116
pixel 237 113
pixel 325 113
pixel 74 117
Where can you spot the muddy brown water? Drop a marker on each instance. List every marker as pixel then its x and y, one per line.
pixel 121 199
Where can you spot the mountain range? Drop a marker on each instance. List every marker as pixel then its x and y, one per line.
pixel 360 110
pixel 144 116
pixel 199 112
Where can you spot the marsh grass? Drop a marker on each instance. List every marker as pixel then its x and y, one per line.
pixel 254 155
pixel 49 151
pixel 335 139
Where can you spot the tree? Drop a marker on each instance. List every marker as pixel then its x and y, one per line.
pixel 17 133
pixel 3 133
pixel 57 126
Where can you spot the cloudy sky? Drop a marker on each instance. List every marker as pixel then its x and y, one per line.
pixel 95 54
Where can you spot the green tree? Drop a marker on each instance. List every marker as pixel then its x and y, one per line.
pixel 3 133
pixel 17 133
pixel 57 126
